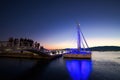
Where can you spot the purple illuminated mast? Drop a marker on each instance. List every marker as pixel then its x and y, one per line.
pixel 82 47
pixel 79 37
pixel 81 41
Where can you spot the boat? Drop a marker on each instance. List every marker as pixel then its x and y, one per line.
pixel 82 51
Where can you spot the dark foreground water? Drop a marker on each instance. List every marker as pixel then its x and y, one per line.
pixel 103 66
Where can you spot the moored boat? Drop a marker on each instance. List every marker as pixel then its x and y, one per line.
pixel 82 51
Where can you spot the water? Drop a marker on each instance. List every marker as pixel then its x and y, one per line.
pixel 103 66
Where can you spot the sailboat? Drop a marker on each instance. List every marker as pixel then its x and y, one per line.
pixel 82 51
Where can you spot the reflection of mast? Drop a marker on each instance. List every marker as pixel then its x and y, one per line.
pixel 79 69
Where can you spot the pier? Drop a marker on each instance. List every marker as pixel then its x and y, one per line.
pixel 31 53
pixel 26 48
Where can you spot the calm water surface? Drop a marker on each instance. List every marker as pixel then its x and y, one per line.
pixel 103 66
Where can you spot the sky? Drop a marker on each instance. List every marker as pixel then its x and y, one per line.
pixel 52 23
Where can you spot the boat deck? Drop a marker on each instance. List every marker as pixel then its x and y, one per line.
pixel 77 56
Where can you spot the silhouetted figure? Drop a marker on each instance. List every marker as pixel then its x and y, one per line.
pixel 35 44
pixel 42 49
pixel 31 43
pixel 38 45
pixel 21 42
pixel 21 51
pixel 11 40
pixel 16 41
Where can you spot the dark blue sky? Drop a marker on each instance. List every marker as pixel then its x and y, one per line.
pixel 53 22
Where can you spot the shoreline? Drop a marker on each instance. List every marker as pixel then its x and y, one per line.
pixel 29 55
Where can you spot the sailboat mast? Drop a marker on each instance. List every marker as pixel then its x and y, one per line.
pixel 79 39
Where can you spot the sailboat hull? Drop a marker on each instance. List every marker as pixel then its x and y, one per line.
pixel 79 53
pixel 77 56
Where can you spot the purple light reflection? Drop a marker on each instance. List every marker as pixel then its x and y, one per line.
pixel 79 69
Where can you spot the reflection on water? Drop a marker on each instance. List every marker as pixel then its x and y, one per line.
pixel 36 69
pixel 79 69
pixel 104 66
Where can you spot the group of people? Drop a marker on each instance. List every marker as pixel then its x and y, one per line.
pixel 22 42
pixel 37 45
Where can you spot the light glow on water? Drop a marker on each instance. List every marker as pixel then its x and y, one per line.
pixel 79 69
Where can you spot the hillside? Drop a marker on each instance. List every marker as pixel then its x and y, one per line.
pixel 100 48
pixel 105 48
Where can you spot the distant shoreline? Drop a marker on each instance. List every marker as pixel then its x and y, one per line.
pixel 102 48
pixel 105 48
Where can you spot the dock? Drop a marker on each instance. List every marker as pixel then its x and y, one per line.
pixel 29 54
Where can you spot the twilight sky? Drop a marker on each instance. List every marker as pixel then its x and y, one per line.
pixel 53 22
